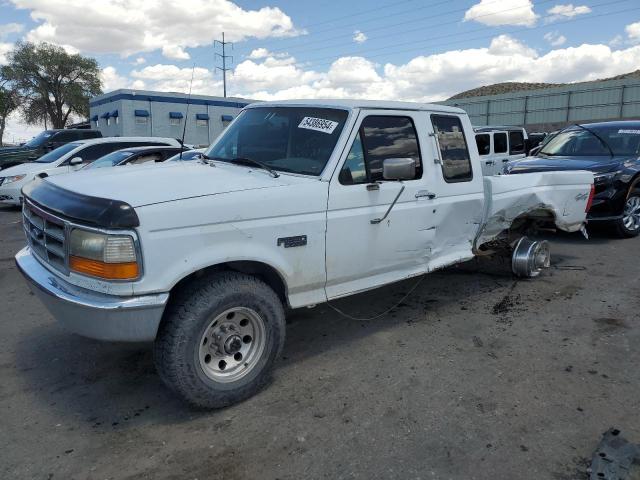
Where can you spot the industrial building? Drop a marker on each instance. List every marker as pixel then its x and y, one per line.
pixel 159 114
pixel 552 108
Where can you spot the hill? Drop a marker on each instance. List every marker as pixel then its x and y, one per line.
pixel 508 87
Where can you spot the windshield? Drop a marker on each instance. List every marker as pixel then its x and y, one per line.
pixel 54 155
pixel 577 141
pixel 288 139
pixel 188 155
pixel 39 140
pixel 110 160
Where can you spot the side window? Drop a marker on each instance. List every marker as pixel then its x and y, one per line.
pixel 380 137
pixel 456 162
pixel 483 140
pixel 516 142
pixel 500 143
pixel 146 158
pixel 94 152
pixel 63 137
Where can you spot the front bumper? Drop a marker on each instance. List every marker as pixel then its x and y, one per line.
pixel 92 314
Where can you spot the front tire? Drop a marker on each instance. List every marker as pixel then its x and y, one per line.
pixel 219 339
pixel 629 225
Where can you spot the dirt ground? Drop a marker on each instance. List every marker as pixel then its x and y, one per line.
pixel 474 376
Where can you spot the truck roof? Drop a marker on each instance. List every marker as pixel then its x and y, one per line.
pixel 351 104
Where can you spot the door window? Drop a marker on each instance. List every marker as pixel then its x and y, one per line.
pixel 454 153
pixel 516 141
pixel 483 141
pixel 380 137
pixel 500 142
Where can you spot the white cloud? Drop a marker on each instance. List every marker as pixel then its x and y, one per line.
pixel 359 37
pixel 633 31
pixel 5 48
pixel 560 12
pixel 111 80
pixel 175 52
pixel 9 28
pixel 505 12
pixel 171 78
pixel 126 27
pixel 139 61
pixel 555 39
pixel 505 45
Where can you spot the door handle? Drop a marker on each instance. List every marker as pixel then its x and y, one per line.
pixel 505 160
pixel 425 193
pixel 490 162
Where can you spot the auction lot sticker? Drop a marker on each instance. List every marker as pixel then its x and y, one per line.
pixel 633 132
pixel 318 124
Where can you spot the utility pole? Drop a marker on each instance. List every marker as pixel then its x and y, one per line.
pixel 224 57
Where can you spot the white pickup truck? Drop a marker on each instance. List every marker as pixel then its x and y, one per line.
pixel 296 203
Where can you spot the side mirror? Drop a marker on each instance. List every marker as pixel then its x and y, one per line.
pixel 75 161
pixel 50 146
pixel 399 169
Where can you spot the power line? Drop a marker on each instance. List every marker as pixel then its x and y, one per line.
pixel 224 57
pixel 349 17
pixel 361 53
pixel 393 34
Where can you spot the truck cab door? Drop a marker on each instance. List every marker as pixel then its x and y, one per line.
pixel 459 186
pixel 362 253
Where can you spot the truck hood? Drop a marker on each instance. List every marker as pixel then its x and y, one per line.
pixel 141 185
pixel 597 164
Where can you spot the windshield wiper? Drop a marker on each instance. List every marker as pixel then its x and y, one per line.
pixel 247 161
pixel 598 137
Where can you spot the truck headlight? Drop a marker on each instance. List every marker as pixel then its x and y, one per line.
pixel 14 178
pixel 111 257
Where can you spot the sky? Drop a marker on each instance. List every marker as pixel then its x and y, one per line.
pixel 415 50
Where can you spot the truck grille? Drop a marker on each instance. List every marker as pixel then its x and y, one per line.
pixel 46 235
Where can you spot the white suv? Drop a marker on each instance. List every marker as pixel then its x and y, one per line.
pixel 65 159
pixel 499 145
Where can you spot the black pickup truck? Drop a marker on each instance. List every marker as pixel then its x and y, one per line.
pixel 45 142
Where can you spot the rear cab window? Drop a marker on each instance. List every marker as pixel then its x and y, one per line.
pixel 380 137
pixel 452 144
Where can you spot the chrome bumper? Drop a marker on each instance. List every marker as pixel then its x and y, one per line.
pixel 92 314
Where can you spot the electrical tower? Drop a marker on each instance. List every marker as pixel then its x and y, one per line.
pixel 224 57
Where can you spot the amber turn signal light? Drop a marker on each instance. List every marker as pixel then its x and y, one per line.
pixel 108 271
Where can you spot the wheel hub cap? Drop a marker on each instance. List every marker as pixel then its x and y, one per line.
pixel 232 344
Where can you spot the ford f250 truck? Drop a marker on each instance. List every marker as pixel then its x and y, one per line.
pixel 296 203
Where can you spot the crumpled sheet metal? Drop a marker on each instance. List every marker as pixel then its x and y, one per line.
pixel 564 195
pixel 613 458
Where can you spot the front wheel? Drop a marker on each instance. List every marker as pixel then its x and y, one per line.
pixel 219 339
pixel 629 225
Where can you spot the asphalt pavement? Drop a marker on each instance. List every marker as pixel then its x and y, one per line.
pixel 476 375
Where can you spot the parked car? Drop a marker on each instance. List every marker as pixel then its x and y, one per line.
pixel 67 158
pixel 45 142
pixel 611 150
pixel 498 145
pixel 189 155
pixel 297 203
pixel 134 156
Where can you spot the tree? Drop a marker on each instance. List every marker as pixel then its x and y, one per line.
pixel 52 83
pixel 9 101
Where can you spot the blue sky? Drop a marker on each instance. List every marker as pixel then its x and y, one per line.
pixel 420 50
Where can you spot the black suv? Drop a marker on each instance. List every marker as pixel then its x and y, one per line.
pixel 43 143
pixel 611 150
